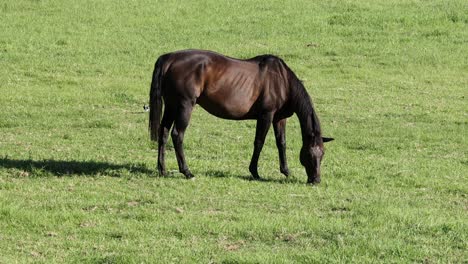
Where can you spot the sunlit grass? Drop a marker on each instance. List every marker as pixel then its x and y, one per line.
pixel 77 170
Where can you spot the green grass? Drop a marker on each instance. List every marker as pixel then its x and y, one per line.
pixel 389 80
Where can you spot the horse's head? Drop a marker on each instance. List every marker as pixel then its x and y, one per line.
pixel 311 157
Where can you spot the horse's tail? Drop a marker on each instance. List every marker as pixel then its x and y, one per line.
pixel 155 101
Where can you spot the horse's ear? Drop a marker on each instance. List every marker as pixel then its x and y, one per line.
pixel 325 139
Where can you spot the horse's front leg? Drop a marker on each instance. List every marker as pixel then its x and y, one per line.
pixel 263 124
pixel 280 135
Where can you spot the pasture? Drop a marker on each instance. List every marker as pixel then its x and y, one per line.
pixel 78 178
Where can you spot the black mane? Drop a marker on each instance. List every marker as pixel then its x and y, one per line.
pixel 303 103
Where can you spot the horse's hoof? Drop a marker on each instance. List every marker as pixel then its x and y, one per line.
pixel 255 177
pixel 285 172
pixel 189 176
pixel 315 181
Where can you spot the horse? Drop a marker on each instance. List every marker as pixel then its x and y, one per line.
pixel 262 88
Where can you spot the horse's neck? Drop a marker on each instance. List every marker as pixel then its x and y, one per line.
pixel 306 125
pixel 308 120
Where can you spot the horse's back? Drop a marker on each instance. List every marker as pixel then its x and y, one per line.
pixel 226 87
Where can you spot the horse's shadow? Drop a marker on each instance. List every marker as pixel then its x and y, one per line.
pixel 72 167
pixel 225 174
pixel 95 168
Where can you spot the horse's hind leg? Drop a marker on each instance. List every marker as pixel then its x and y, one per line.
pixel 280 135
pixel 166 123
pixel 181 122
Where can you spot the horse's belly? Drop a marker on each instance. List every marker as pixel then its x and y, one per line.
pixel 227 108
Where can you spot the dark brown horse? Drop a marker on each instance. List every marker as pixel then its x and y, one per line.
pixel 262 88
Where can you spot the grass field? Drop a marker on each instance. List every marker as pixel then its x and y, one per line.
pixel 78 183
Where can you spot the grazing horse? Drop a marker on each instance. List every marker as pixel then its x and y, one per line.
pixel 262 88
